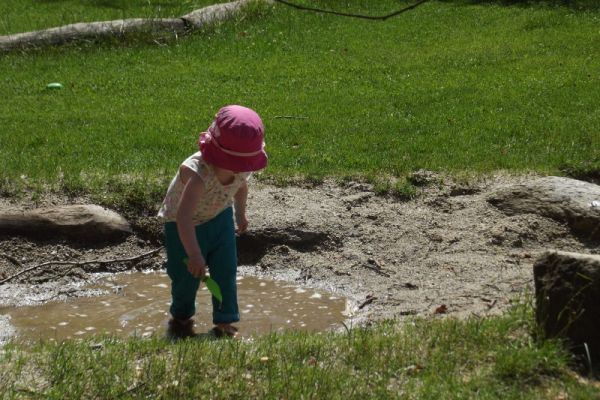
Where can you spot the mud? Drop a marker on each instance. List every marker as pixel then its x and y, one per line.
pixel 136 304
pixel 445 252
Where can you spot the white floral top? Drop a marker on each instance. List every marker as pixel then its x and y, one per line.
pixel 217 196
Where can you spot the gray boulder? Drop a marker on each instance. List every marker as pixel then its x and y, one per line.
pixel 567 291
pixel 572 202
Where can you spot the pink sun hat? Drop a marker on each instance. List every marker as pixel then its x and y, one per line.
pixel 235 140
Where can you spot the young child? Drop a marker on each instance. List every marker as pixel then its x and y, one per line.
pixel 199 220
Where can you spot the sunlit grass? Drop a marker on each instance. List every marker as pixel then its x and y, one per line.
pixel 492 358
pixel 448 87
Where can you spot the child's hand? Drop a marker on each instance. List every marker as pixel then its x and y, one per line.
pixel 197 266
pixel 241 222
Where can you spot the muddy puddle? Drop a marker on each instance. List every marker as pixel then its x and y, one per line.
pixel 138 303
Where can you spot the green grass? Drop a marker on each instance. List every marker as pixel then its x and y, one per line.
pixel 29 15
pixel 493 358
pixel 448 86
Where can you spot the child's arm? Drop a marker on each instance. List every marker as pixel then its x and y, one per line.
pixel 240 198
pixel 191 195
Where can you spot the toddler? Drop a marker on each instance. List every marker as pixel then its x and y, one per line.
pixel 199 219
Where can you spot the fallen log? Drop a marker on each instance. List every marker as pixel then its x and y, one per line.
pixel 105 29
pixel 87 222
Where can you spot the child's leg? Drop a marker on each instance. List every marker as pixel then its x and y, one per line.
pixel 183 285
pixel 222 264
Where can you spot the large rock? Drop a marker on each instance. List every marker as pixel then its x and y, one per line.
pixel 567 291
pixel 87 222
pixel 575 203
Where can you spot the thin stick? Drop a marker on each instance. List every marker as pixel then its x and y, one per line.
pixel 378 270
pixel 290 117
pixel 369 300
pixel 382 17
pixel 80 263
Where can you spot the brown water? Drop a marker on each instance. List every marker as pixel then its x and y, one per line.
pixel 138 304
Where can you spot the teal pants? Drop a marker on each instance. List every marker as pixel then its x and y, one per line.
pixel 217 242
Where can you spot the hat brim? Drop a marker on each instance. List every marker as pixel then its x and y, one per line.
pixel 213 155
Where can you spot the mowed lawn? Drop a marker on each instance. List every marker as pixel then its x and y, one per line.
pixel 448 86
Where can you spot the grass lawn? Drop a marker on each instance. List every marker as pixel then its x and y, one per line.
pixel 492 358
pixel 448 86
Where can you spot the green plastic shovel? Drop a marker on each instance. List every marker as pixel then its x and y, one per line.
pixel 211 285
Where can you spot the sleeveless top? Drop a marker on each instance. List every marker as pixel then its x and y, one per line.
pixel 217 197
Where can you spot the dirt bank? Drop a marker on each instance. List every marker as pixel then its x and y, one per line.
pixel 447 251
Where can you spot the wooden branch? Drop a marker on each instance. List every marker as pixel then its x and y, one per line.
pixel 94 30
pixel 80 263
pixel 88 30
pixel 290 117
pixel 379 271
pixel 370 298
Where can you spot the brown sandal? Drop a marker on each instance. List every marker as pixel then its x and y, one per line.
pixel 229 331
pixel 180 329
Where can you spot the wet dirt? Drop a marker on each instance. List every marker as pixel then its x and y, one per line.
pixel 136 304
pixel 445 252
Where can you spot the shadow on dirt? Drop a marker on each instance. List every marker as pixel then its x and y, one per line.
pixel 253 246
pixel 590 175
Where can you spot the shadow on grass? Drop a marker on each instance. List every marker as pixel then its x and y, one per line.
pixel 579 5
pixel 589 172
pixel 118 4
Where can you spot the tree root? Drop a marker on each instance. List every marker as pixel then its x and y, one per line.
pixel 79 263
